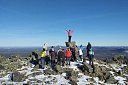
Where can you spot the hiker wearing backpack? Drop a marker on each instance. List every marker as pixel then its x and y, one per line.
pixel 61 57
pixel 91 56
pixel 43 56
pixel 88 49
pixel 52 54
pixel 69 32
pixel 47 59
pixel 81 54
pixel 73 58
pixel 68 55
pixel 59 54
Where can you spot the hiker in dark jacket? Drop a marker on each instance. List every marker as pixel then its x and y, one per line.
pixel 52 54
pixel 91 58
pixel 88 48
pixel 73 50
pixel 34 59
pixel 61 57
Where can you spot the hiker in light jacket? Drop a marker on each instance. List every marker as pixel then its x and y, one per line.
pixel 69 35
pixel 43 56
pixel 81 54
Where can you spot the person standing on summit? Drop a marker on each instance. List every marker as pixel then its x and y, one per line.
pixel 69 35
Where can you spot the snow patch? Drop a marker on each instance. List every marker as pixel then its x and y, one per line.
pixel 83 80
pixel 120 79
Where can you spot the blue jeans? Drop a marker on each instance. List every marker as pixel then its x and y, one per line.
pixel 43 62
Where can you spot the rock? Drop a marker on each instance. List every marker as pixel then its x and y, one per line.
pixel 2 59
pixel 120 59
pixel 15 58
pixel 72 76
pixel 2 67
pixel 58 69
pixel 101 72
pixel 49 72
pixel 87 67
pixel 111 80
pixel 70 44
pixel 35 74
pixel 18 77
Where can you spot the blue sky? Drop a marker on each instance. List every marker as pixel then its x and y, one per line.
pixel 34 22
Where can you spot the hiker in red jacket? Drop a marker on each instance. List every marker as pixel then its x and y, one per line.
pixel 68 55
pixel 69 35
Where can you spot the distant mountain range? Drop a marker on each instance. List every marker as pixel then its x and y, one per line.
pixel 100 52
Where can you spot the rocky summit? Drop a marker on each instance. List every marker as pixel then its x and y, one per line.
pixel 19 71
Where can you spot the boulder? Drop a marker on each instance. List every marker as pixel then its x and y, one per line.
pixel 72 76
pixel 101 72
pixel 49 72
pixel 111 80
pixel 2 67
pixel 58 69
pixel 87 67
pixel 120 59
pixel 18 77
pixel 70 44
pixel 2 59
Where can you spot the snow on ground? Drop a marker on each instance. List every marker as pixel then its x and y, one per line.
pixel 26 70
pixel 73 65
pixel 116 67
pixel 83 80
pixel 96 79
pixel 112 73
pixel 6 78
pixel 120 79
pixel 60 79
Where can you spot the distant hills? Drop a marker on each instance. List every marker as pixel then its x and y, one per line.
pixel 100 52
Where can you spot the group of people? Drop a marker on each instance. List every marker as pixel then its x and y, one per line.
pixel 61 56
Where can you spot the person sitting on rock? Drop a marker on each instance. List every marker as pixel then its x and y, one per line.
pixel 69 35
pixel 43 56
pixel 68 55
pixel 34 60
